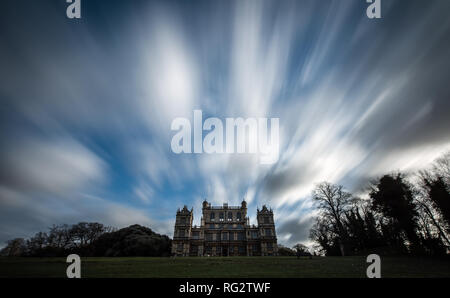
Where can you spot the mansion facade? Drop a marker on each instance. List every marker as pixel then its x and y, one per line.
pixel 224 231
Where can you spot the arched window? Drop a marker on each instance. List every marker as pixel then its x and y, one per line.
pixel 238 216
pixel 212 215
pixel 230 216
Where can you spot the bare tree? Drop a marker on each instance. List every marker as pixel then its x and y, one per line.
pixel 14 248
pixel 334 201
pixel 60 236
pixel 433 199
pixel 322 233
pixel 37 242
pixel 441 167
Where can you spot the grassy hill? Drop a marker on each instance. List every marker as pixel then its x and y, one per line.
pixel 225 267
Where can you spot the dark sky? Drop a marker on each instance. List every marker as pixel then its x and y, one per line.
pixel 87 105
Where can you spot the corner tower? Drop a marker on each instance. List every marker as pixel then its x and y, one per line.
pixel 182 232
pixel 266 227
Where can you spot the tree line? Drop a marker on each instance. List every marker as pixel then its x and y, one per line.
pixel 90 239
pixel 401 215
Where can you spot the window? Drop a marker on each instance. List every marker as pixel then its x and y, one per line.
pixel 211 226
pixel 238 216
pixel 180 248
pixel 181 233
pixel 183 220
pixel 266 220
pixel 254 234
pixel 268 232
pixel 270 246
pixel 209 237
pixel 196 234
pixel 255 247
pixel 241 249
pixel 212 216
pixel 224 236
pixel 240 236
pixel 221 216
pixel 230 216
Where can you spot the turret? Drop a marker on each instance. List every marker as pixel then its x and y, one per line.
pixel 266 228
pixel 182 231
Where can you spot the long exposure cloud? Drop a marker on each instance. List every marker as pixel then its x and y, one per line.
pixel 87 105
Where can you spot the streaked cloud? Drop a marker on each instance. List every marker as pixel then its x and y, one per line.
pixel 87 107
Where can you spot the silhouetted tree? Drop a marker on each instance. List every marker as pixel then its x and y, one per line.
pixel 434 241
pixel 84 233
pixel 134 240
pixel 285 251
pixel 439 194
pixel 393 198
pixel 37 244
pixel 323 233
pixel 14 248
pixel 441 168
pixel 433 201
pixel 60 237
pixel 399 217
pixel 356 230
pixel 301 250
pixel 333 202
pixel 62 240
pixel 374 236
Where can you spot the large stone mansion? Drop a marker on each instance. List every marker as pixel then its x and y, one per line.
pixel 224 231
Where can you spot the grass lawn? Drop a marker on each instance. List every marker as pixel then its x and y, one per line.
pixel 225 267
